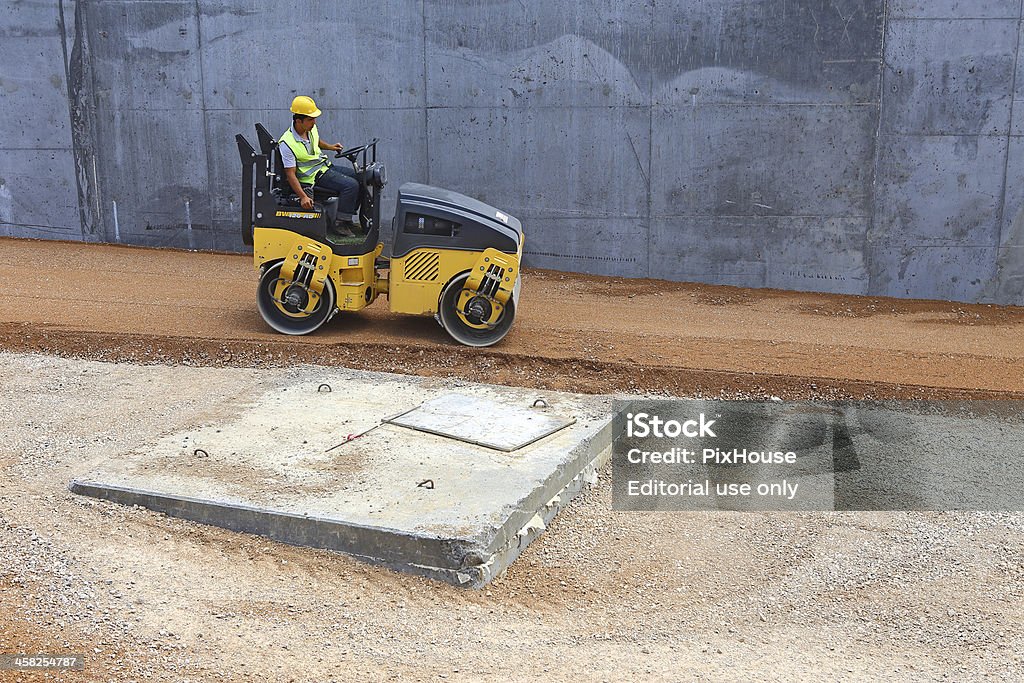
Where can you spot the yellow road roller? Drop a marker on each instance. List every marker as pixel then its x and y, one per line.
pixel 452 257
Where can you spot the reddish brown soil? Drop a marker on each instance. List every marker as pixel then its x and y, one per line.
pixel 573 332
pixel 725 596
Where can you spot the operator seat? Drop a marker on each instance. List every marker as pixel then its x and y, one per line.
pixel 279 186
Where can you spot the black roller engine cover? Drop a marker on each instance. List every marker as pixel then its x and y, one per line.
pixel 428 216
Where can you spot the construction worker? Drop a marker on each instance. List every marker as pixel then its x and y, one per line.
pixel 306 166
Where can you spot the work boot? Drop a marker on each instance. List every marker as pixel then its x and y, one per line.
pixel 345 228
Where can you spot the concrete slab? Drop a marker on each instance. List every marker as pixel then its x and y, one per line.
pixel 504 157
pixel 372 55
pixel 939 191
pixel 775 252
pixel 145 57
pixel 953 9
pixel 1016 115
pixel 534 53
pixel 21 185
pixel 482 422
pixel 765 52
pixel 33 81
pixel 156 203
pixel 281 464
pixel 582 245
pixel 703 161
pixel 954 273
pixel 938 86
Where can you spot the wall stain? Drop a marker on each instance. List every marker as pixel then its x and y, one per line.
pixel 82 112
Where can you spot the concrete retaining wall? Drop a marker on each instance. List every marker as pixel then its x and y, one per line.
pixel 857 146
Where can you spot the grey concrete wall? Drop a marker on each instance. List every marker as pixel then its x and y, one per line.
pixel 858 146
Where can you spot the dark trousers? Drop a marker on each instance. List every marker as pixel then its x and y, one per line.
pixel 340 180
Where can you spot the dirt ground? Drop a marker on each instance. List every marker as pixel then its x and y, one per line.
pixel 103 347
pixel 573 332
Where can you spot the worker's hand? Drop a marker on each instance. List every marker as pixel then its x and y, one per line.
pixel 337 147
pixel 306 202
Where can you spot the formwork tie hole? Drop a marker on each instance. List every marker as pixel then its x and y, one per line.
pixel 324 388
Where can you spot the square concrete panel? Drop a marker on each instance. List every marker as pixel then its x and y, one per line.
pixel 950 77
pixel 1008 285
pixel 809 254
pixel 225 168
pixel 38 195
pixel 547 162
pixel 33 88
pixel 804 254
pixel 939 190
pixel 1017 115
pixel 280 464
pixel 158 198
pixel 1011 231
pixel 773 160
pixel 953 9
pixel 534 53
pixel 724 251
pixel 145 55
pixel 600 246
pixel 344 55
pixel 767 51
pixel 482 421
pixel 956 273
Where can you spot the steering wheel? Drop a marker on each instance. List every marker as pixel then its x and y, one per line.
pixel 350 153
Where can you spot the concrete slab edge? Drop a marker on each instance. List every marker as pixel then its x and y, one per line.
pixel 502 558
pixel 588 451
pixel 436 558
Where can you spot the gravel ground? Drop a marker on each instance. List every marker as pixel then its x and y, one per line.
pixel 602 595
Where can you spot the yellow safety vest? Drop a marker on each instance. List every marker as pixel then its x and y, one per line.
pixel 307 166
